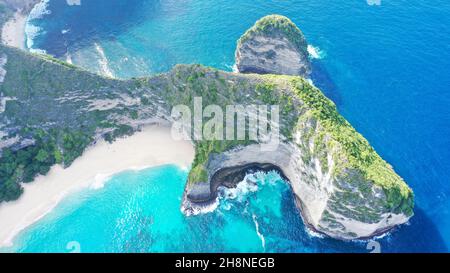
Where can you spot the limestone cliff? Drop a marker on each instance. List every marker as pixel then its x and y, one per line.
pixel 274 45
pixel 342 186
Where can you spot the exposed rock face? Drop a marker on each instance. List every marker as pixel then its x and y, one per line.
pixel 341 186
pixel 274 45
pixel 338 207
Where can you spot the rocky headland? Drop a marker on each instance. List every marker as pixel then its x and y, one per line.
pixel 341 185
pixel 274 45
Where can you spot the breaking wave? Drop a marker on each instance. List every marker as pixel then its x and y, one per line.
pixel 32 31
pixel 103 61
pixel 315 52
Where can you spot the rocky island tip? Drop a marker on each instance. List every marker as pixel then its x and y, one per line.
pixel 342 186
pixel 274 45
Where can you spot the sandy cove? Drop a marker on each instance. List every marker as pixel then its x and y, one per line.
pixel 13 31
pixel 153 146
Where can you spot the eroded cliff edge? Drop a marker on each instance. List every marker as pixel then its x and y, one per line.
pixel 274 45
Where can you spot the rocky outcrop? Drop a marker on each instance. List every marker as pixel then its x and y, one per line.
pixel 337 206
pixel 342 187
pixel 274 45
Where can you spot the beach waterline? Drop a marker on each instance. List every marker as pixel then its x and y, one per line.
pixel 13 31
pixel 153 146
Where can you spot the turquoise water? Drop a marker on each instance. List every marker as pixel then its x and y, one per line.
pixel 140 212
pixel 385 66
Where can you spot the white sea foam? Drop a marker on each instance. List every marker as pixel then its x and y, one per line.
pixel 100 180
pixel 226 196
pixel 103 61
pixel 263 240
pixel 226 206
pixel 313 233
pixel 31 32
pixel 235 69
pixel 197 210
pixel 39 10
pixel 73 2
pixel 69 58
pixel 316 52
pixel 239 193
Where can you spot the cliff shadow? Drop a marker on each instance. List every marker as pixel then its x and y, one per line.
pixel 322 79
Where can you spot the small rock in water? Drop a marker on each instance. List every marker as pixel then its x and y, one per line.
pixel 274 45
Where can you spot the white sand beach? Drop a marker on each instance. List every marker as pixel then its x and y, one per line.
pixel 153 146
pixel 13 32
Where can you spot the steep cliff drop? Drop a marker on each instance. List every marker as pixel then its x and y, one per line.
pixel 274 45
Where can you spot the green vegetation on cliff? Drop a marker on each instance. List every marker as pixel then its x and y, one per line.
pixel 49 148
pixel 53 115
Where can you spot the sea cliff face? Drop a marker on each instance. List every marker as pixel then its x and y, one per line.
pixel 274 45
pixel 335 206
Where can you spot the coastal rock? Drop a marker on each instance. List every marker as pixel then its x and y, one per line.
pixel 335 206
pixel 274 45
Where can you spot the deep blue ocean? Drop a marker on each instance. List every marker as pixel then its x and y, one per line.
pixel 385 65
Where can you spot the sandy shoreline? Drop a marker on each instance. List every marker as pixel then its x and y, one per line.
pixel 13 31
pixel 153 146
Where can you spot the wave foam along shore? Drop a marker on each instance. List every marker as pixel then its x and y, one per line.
pixel 153 146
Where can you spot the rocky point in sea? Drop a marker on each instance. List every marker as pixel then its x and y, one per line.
pixel 274 45
pixel 342 187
